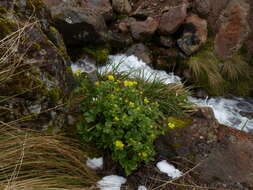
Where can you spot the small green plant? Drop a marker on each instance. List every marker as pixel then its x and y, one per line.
pixel 117 116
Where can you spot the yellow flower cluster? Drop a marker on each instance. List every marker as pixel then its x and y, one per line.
pixel 171 125
pixel 130 83
pixel 110 77
pixel 97 83
pixel 119 144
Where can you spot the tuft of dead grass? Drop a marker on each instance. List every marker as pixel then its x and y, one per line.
pixel 31 160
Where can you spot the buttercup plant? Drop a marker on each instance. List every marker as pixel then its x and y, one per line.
pixel 116 116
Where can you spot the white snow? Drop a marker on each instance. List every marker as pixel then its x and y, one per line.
pixel 112 182
pixel 169 169
pixel 137 68
pixel 142 187
pixel 95 163
pixel 230 112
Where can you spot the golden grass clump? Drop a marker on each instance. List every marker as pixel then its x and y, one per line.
pixel 218 76
pixel 30 160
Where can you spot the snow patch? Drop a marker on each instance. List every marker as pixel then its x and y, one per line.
pixel 138 68
pixel 95 163
pixel 169 169
pixel 112 182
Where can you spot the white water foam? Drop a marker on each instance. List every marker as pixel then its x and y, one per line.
pixel 234 112
pixel 137 68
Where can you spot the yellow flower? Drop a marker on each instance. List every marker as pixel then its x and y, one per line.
pixel 131 104
pixel 97 83
pixel 171 125
pixel 110 77
pixel 144 154
pixel 117 89
pixel 119 144
pixel 130 83
pixel 146 100
pixel 116 118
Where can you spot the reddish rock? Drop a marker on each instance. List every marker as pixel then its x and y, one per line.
pixel 224 155
pixel 143 29
pixel 194 35
pixel 172 19
pixel 154 8
pixel 233 30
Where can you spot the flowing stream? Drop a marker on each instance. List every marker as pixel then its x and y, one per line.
pixel 235 112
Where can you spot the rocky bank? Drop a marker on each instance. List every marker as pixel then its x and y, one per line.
pixel 184 36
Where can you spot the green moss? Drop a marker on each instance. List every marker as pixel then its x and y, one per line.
pixel 179 122
pixel 101 53
pixel 35 46
pixel 6 27
pixel 3 10
pixel 54 95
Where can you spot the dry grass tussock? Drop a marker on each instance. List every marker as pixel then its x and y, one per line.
pixel 219 76
pixel 30 160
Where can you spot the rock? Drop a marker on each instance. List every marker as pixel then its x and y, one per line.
pixel 104 8
pixel 40 78
pixel 124 25
pixel 202 7
pixel 143 29
pixel 167 41
pixel 172 19
pixel 140 51
pixel 249 41
pixel 121 6
pixel 194 35
pixel 223 154
pixel 154 8
pixel 201 93
pixel 79 24
pixel 234 28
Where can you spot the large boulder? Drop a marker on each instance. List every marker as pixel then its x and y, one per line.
pixel 35 77
pixel 194 35
pixel 79 23
pixel 233 28
pixel 222 156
